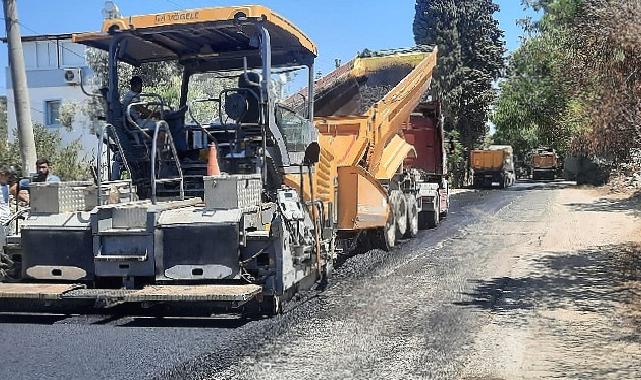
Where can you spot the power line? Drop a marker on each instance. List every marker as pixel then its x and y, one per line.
pixel 62 45
pixel 32 108
pixel 38 33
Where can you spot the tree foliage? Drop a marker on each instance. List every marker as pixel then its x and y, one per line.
pixel 533 98
pixel 66 160
pixel 471 50
pixel 574 82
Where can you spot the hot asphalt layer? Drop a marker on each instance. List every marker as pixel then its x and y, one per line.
pixel 388 315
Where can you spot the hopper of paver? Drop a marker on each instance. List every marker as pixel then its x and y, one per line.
pixel 360 110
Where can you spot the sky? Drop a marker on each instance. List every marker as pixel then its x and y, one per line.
pixel 340 28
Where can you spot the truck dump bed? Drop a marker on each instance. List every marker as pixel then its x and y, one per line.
pixel 488 160
pixel 544 161
pixel 355 87
pixel 361 109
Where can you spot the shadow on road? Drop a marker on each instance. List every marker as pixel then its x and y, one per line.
pixel 528 185
pixel 32 319
pixel 587 280
pixel 207 323
pixel 631 204
pixel 124 321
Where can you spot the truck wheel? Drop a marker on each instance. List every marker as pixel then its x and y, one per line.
pixel 328 268
pixel 272 305
pixel 399 207
pixel 412 216
pixel 429 219
pixel 387 235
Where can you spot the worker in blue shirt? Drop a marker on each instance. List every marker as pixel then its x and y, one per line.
pixel 43 174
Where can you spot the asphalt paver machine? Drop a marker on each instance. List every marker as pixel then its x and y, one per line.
pixel 175 237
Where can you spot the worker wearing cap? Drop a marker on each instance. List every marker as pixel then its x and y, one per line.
pixel 43 174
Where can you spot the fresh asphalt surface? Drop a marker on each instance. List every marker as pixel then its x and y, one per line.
pixel 350 330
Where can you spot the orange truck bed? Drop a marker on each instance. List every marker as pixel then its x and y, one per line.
pixel 544 161
pixel 488 160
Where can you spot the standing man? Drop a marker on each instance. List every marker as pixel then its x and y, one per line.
pixel 5 190
pixel 43 167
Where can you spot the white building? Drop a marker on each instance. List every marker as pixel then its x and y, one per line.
pixel 53 63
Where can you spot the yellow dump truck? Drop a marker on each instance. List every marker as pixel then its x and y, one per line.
pixel 366 112
pixel 493 167
pixel 545 164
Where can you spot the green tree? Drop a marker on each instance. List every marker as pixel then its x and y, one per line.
pixel 471 50
pixel 436 24
pixel 574 81
pixel 67 162
pixel 533 98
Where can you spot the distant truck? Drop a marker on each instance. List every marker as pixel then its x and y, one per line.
pixel 545 164
pixel 493 167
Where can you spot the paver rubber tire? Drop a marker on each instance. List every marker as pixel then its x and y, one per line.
pixel 412 216
pixel 399 207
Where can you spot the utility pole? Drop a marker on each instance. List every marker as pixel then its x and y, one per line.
pixel 20 92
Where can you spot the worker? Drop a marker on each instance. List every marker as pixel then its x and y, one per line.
pixel 5 191
pixel 140 114
pixel 43 174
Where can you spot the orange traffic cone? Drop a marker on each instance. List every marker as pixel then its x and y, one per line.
pixel 212 161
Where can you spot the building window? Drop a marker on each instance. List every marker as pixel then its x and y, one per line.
pixel 52 113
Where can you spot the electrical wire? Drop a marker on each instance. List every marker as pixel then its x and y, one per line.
pixel 48 42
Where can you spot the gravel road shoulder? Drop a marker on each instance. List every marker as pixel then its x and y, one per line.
pixel 569 306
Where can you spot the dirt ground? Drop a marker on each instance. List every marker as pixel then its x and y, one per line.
pixel 571 304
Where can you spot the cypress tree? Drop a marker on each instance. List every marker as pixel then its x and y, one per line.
pixel 471 50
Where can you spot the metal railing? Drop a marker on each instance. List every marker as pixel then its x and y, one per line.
pixel 168 142
pixel 109 132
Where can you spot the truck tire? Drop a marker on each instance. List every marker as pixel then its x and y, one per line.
pixel 431 219
pixel 385 238
pixel 412 216
pixel 399 207
pixel 272 305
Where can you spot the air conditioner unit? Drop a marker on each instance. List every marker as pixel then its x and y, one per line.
pixel 72 76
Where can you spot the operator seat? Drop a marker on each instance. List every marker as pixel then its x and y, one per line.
pixel 250 82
